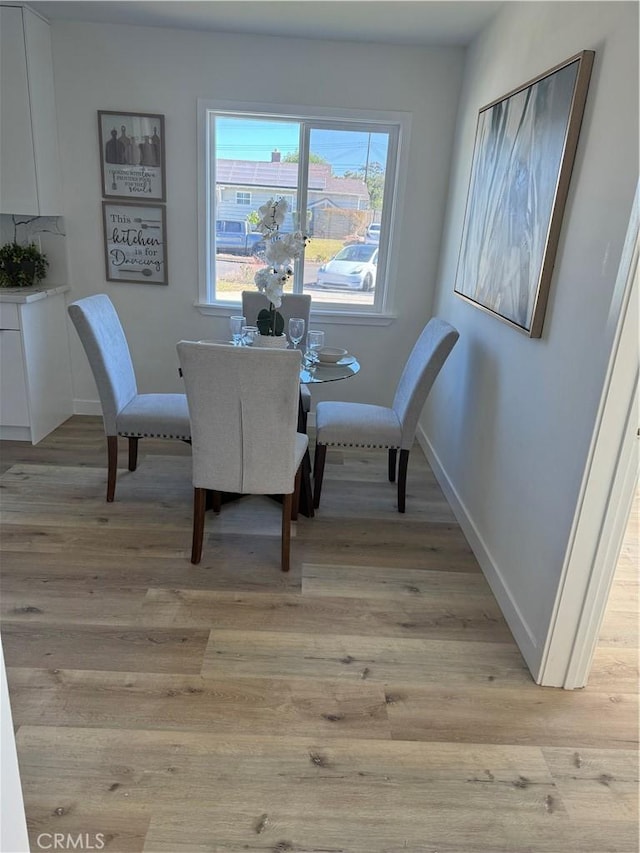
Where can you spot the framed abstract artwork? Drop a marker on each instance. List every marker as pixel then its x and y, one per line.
pixel 132 155
pixel 135 244
pixel 522 161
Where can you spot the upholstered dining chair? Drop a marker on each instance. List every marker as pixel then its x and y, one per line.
pixel 243 405
pixel 394 428
pixel 125 412
pixel 293 305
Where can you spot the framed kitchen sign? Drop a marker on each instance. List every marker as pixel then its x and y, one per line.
pixel 132 155
pixel 135 242
pixel 523 156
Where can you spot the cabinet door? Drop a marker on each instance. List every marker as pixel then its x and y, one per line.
pixel 18 191
pixel 14 408
pixel 47 368
pixel 37 37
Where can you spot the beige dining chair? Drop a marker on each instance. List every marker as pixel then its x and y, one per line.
pixel 293 305
pixel 364 425
pixel 243 406
pixel 125 412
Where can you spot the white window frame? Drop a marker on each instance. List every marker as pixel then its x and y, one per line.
pixel 397 124
pixel 244 194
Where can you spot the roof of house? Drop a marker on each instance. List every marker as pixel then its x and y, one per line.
pixel 257 173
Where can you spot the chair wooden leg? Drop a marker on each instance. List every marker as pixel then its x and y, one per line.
pixel 213 501
pixel 402 479
pixel 302 416
pixel 287 501
pixel 133 453
pixel 306 492
pixel 295 505
pixel 199 503
pixel 393 455
pixel 112 466
pixel 318 472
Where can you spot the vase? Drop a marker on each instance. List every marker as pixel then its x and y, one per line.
pixel 271 341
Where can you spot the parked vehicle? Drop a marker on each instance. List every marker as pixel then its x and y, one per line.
pixel 236 236
pixel 353 267
pixel 373 233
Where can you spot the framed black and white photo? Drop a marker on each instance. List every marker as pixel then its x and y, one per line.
pixel 135 242
pixel 523 156
pixel 132 155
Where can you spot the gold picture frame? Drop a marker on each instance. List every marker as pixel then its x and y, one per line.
pixel 523 156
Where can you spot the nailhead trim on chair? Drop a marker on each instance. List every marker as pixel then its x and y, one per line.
pixel 356 444
pixel 152 435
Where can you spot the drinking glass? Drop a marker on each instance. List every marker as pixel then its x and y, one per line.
pixel 236 324
pixel 296 330
pixel 315 342
pixel 249 335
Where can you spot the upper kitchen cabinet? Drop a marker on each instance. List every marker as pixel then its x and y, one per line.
pixel 29 159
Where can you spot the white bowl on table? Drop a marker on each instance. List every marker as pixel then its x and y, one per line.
pixel 331 355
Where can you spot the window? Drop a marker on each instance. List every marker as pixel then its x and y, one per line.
pixel 339 173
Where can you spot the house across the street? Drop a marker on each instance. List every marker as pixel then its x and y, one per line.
pixel 338 206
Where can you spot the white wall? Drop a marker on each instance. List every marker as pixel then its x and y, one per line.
pixel 509 421
pixel 144 69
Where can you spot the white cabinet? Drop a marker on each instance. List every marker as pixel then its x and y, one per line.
pixel 14 408
pixel 35 369
pixel 29 157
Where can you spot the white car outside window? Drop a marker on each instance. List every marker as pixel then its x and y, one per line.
pixel 353 267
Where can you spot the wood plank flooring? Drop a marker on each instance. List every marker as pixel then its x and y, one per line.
pixel 370 701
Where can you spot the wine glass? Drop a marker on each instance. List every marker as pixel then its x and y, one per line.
pixel 315 342
pixel 296 330
pixel 236 324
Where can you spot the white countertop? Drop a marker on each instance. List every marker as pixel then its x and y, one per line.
pixel 30 294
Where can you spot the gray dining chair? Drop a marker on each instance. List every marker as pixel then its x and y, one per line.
pixel 293 305
pixel 125 412
pixel 243 405
pixel 364 425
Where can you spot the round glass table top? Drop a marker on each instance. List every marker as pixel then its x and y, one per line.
pixel 324 372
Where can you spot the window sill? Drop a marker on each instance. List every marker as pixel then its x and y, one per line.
pixel 351 318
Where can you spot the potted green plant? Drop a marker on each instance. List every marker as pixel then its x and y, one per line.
pixel 21 266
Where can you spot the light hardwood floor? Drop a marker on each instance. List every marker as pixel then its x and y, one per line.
pixel 371 701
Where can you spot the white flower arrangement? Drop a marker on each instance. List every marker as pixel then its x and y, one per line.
pixel 281 251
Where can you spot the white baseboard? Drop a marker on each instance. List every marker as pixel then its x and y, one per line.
pixel 87 407
pixel 15 433
pixel 524 637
